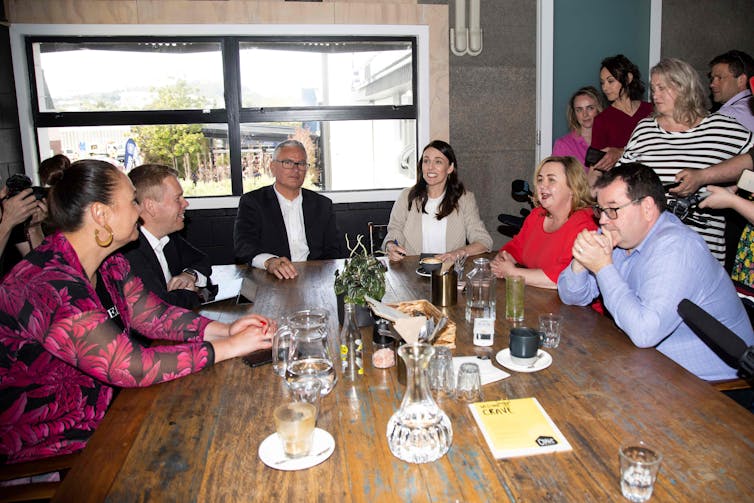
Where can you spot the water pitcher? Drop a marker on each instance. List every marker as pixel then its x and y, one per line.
pixel 309 353
pixel 480 291
pixel 419 432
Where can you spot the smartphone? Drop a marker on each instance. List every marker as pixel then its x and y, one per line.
pixel 746 181
pixel 258 358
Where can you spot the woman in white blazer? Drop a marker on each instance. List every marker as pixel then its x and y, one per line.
pixel 437 215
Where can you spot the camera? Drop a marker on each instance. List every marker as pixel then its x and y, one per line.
pixel 685 207
pixel 18 183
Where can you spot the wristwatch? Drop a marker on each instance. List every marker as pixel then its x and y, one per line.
pixel 192 273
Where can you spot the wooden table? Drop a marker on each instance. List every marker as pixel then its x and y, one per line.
pixel 196 439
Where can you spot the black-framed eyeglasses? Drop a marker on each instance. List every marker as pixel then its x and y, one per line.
pixel 288 164
pixel 612 213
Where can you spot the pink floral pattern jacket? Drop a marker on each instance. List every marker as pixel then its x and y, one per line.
pixel 61 356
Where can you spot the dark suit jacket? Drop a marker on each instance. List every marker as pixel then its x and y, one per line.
pixel 180 254
pixel 260 227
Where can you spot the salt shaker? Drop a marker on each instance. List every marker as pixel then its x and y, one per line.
pixel 383 346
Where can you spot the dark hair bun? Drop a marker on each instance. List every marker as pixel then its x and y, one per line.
pixel 51 170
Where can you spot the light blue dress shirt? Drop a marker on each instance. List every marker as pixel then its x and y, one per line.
pixel 642 291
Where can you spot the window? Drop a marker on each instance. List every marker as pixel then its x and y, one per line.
pixel 214 107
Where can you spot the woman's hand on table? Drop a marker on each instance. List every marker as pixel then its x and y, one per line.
pixel 503 265
pixel 451 256
pixel 245 335
pixel 395 252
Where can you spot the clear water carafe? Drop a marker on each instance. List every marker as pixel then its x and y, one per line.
pixel 309 353
pixel 480 291
pixel 419 432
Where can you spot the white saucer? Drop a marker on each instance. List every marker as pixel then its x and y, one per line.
pixel 421 272
pixel 504 358
pixel 271 452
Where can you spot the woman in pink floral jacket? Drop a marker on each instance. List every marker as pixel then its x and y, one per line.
pixel 66 315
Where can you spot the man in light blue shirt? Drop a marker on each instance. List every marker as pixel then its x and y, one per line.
pixel 644 262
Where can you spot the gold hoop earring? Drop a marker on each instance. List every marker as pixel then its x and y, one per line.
pixel 104 243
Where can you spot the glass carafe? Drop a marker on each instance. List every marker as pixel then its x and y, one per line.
pixel 480 291
pixel 309 353
pixel 419 432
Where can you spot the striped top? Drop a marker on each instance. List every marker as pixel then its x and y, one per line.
pixel 714 140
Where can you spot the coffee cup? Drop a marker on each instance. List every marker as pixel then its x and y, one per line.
pixel 524 344
pixel 430 264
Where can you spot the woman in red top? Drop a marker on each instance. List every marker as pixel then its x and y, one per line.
pixel 542 249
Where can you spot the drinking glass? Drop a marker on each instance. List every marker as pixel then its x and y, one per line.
pixel 441 378
pixel 639 465
pixel 514 298
pixel 294 423
pixel 306 389
pixel 469 388
pixel 549 327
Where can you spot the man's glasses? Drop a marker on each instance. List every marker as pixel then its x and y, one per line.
pixel 288 164
pixel 612 213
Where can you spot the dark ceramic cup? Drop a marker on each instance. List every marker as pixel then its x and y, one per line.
pixel 524 345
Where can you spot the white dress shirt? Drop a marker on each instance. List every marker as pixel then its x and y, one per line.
pixel 158 245
pixel 293 217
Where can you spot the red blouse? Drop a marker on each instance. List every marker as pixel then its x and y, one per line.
pixel 613 128
pixel 534 248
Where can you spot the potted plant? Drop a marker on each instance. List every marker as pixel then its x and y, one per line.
pixel 362 275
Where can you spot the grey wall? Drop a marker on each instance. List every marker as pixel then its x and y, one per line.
pixel 698 30
pixel 493 108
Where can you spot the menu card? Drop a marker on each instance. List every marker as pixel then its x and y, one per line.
pixel 518 427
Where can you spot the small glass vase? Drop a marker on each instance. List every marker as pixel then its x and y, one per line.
pixel 419 432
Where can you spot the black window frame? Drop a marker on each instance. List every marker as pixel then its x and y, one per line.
pixel 233 114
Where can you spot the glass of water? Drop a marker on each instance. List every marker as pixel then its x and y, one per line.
pixel 639 465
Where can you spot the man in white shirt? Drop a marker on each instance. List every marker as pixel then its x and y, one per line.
pixel 168 265
pixel 283 223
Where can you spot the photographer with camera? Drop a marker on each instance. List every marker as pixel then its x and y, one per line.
pixel 21 216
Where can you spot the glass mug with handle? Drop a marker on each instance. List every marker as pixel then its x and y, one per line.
pixel 305 335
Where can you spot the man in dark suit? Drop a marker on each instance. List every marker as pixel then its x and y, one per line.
pixel 168 265
pixel 283 223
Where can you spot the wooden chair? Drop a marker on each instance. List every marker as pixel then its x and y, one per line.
pixel 377 233
pixel 35 491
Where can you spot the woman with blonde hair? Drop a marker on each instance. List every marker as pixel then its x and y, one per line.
pixel 542 249
pixel 584 105
pixel 683 135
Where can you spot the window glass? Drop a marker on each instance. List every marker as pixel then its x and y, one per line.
pixel 111 76
pixel 325 73
pixel 342 155
pixel 133 100
pixel 199 152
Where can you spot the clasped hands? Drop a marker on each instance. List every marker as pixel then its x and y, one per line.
pixel 592 250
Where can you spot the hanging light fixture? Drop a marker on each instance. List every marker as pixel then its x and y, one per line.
pixel 463 39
